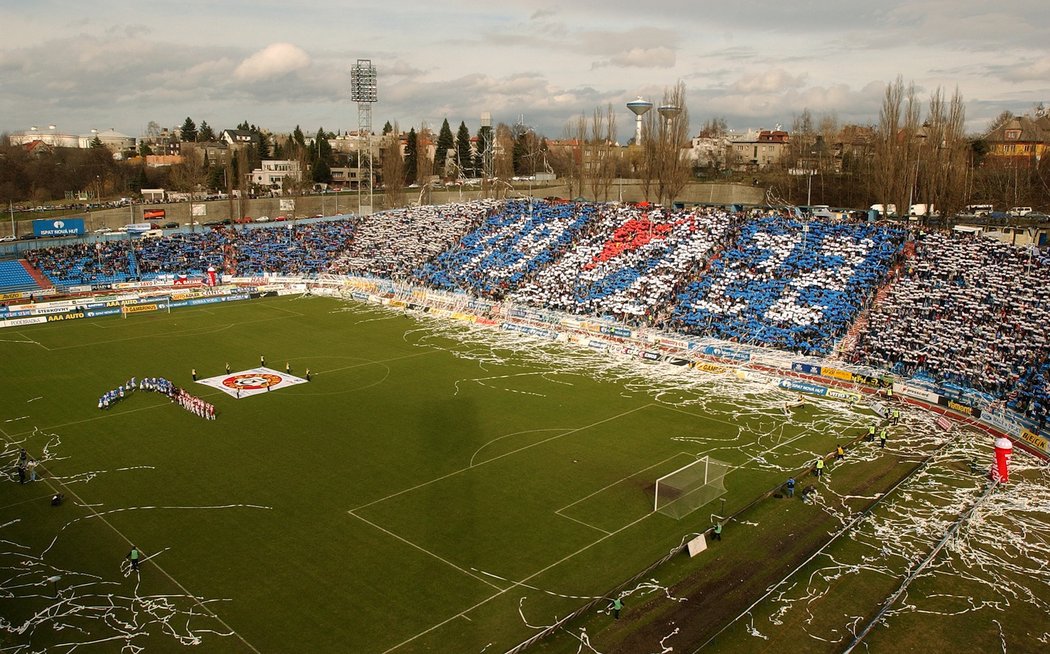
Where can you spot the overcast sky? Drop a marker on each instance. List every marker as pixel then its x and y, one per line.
pixel 279 63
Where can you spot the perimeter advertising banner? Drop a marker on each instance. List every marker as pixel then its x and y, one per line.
pixel 804 387
pixel 59 227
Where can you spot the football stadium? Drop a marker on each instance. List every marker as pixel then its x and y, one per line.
pixel 524 425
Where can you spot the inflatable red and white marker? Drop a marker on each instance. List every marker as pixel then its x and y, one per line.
pixel 211 275
pixel 1003 449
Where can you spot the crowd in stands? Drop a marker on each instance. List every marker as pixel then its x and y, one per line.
pixel 964 311
pixel 84 263
pixel 788 284
pixel 628 262
pixel 394 243
pixel 516 241
pixel 293 249
pixel 970 311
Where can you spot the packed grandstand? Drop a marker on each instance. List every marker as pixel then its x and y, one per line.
pixel 952 309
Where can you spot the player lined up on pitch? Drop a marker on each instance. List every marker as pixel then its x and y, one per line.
pixel 191 403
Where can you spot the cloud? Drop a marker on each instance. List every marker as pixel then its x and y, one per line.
pixel 275 60
pixel 659 57
pixel 770 81
pixel 1026 70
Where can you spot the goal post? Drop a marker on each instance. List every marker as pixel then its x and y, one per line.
pixel 679 493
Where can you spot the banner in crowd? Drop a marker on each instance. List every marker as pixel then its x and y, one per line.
pixel 252 382
pixel 59 227
pixel 835 373
pixel 1035 440
pixel 726 353
pixel 805 368
pixel 959 407
pixel 152 214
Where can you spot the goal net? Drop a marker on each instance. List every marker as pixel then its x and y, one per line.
pixel 690 487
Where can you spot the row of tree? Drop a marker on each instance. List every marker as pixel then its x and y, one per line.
pixel 917 153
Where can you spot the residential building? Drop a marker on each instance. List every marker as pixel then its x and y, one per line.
pixel 239 138
pixel 273 172
pixel 757 150
pixel 1020 140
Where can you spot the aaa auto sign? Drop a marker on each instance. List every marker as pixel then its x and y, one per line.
pixel 59 227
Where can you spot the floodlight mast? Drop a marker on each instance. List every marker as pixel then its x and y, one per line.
pixel 364 91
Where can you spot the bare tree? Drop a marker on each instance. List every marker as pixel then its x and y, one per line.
pixel 503 158
pixel 567 159
pixel 192 174
pixel 393 167
pixel 664 132
pixel 896 146
pixel 942 157
pixel 600 161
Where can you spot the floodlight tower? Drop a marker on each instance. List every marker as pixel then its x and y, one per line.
pixel 363 91
pixel 639 107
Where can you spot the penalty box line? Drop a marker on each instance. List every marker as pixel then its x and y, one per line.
pixel 50 481
pixel 515 584
pixel 615 483
pixel 447 475
pixel 424 550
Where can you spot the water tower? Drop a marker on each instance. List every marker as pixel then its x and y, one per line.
pixel 639 107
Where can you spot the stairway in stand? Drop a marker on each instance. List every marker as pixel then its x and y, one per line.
pixel 849 341
pixel 39 277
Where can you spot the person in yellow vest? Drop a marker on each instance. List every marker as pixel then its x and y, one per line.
pixel 896 416
pixel 134 555
pixel 882 437
pixel 819 469
pixel 871 434
pixel 840 452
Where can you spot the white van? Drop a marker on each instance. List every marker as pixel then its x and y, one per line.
pixel 1018 212
pixel 891 209
pixel 153 233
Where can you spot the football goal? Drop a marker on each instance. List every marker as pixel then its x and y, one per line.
pixel 685 490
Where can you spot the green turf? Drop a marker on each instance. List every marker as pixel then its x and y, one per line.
pixel 409 498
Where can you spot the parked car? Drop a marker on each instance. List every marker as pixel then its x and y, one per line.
pixel 171 225
pixel 1020 212
pixel 103 230
pixel 262 219
pixel 280 219
pixel 4 239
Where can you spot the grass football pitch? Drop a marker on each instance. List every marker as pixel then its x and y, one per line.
pixel 430 489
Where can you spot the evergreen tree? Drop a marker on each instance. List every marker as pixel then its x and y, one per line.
pixel 322 147
pixel 144 149
pixel 188 132
pixel 444 144
pixel 466 163
pixel 387 128
pixel 206 133
pixel 322 173
pixel 96 143
pixel 411 156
